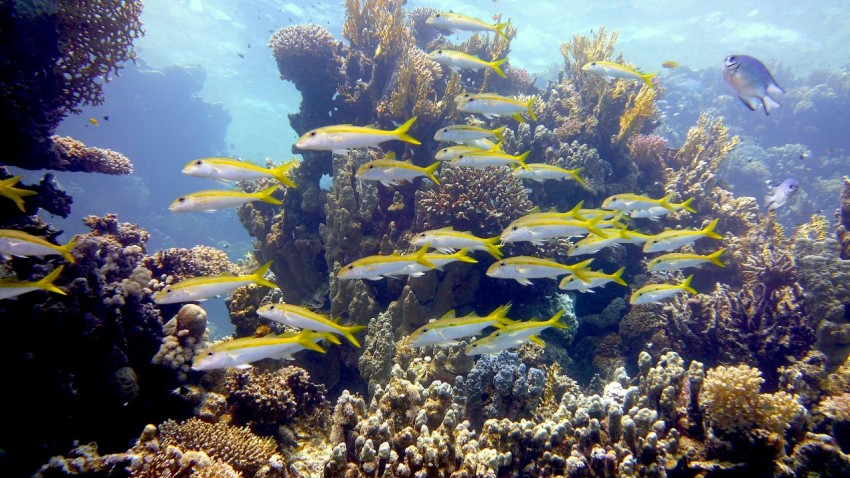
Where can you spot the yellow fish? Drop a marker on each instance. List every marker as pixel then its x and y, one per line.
pixel 10 288
pixel 541 172
pixel 20 244
pixel 377 266
pixel 610 69
pixel 213 200
pixel 515 334
pixel 491 104
pixel 450 22
pixel 677 261
pixel 458 60
pixel 445 331
pixel 673 239
pixel 390 172
pixel 8 189
pixel 655 293
pixel 239 353
pixel 93 121
pixel 523 268
pixel 198 289
pixel 670 64
pixel 229 169
pixel 303 318
pixel 345 136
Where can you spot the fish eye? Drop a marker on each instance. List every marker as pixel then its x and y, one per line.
pixel 437 15
pixel 210 353
pixel 313 133
pixel 592 63
pixel 439 52
pixel 350 267
pixel 181 199
pixel 199 162
pixel 502 264
pixel 371 166
pixel 271 307
pixel 445 130
pixel 425 329
pixel 514 228
pixel 168 290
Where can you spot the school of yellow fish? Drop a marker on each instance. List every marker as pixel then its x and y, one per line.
pixel 473 147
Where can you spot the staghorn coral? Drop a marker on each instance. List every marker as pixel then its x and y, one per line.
pixel 483 201
pixel 184 336
pixel 236 446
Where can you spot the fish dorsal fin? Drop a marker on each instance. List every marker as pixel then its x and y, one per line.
pixel 448 315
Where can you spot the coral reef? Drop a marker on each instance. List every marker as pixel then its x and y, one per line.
pixel 72 155
pixel 184 336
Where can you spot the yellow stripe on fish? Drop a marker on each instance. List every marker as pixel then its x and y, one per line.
pixel 541 172
pixel 377 266
pixel 229 169
pixel 597 279
pixel 673 239
pixel 523 268
pixel 303 318
pixel 447 240
pixel 677 261
pixel 390 172
pixel 448 21
pixel 214 199
pixel 655 293
pixel 461 133
pixel 446 330
pixel 239 353
pixel 491 104
pixel 201 288
pixel 514 335
pixel 346 136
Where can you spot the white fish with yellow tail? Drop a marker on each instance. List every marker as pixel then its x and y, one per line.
pixel 462 133
pixel 229 169
pixel 536 214
pixel 597 279
pixel 345 136
pixel 449 22
pixel 447 240
pixel 452 152
pixel 390 172
pixel 11 288
pixel 514 335
pixel 751 81
pixel 241 352
pixel 377 266
pixel 215 199
pixel 198 289
pixel 485 159
pixel 676 261
pixel 609 69
pixel 673 239
pixel 629 202
pixel 537 231
pixel 491 104
pixel 448 329
pixel 15 243
pixel 458 60
pixel 303 318
pixel 593 244
pixel 541 172
pixel 437 260
pixel 8 190
pixel 655 293
pixel 523 268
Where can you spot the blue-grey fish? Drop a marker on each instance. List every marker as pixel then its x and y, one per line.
pixel 751 81
pixel 780 194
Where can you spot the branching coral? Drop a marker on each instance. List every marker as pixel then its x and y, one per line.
pixel 414 93
pixel 483 201
pixel 641 115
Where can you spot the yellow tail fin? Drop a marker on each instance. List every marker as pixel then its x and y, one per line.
pixel 46 282
pixel 67 248
pixel 258 278
pixel 618 276
pixel 499 29
pixel 709 230
pixel 401 132
pixel 646 78
pixel 430 172
pixel 715 257
pixel 348 333
pixel 266 195
pixel 496 66
pixel 530 109
pixel 463 256
pixel 281 173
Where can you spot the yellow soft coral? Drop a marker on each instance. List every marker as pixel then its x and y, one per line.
pixel 640 108
pixel 731 400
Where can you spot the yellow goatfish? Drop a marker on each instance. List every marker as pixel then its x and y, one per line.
pixel 376 267
pixel 14 243
pixel 445 331
pixel 239 353
pixel 655 293
pixel 462 133
pixel 677 261
pixel 491 104
pixel 597 279
pixel 437 261
pixel 213 200
pixel 391 172
pixel 541 172
pixel 515 334
pixel 608 69
pixel 345 136
pixel 458 60
pixel 673 239
pixel 229 169
pixel 198 289
pixel 11 288
pixel 523 268
pixel 629 202
pixel 452 152
pixel 449 22
pixel 593 244
pixel 8 190
pixel 537 231
pixel 447 240
pixel 494 157
pixel 303 318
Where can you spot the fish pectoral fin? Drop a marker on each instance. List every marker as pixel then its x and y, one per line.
pixel 537 340
pixel 523 281
pixel 244 366
pixel 446 344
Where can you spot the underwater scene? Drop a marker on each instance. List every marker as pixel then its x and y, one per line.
pixel 389 238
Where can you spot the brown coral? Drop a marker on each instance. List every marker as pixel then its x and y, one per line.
pixel 305 54
pixel 184 336
pixel 72 155
pixel 272 397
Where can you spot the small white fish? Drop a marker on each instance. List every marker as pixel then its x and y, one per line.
pixel 779 194
pixel 445 331
pixel 345 136
pixel 229 169
pixel 751 81
pixel 597 279
pixel 11 288
pixel 490 105
pixel 655 293
pixel 213 200
pixel 198 289
pixel 515 334
pixel 523 268
pixel 303 318
pixel 14 243
pixel 239 353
